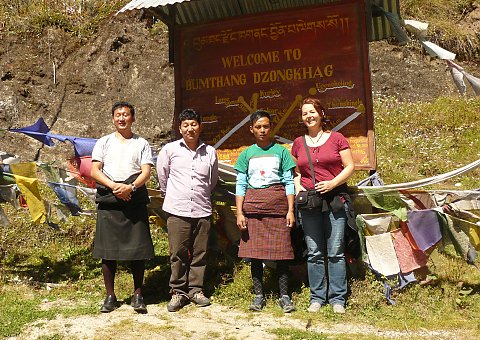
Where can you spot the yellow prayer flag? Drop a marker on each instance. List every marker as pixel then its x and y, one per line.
pixel 25 175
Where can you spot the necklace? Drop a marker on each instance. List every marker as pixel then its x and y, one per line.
pixel 315 142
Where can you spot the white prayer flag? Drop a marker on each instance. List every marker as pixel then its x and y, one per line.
pixel 417 28
pixel 474 82
pixel 457 75
pixel 436 51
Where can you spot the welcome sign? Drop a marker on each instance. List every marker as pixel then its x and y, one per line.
pixel 227 69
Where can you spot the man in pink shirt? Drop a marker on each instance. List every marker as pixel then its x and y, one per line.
pixel 187 174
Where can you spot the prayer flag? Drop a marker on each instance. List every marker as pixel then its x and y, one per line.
pixel 82 146
pixel 81 168
pixel 436 51
pixel 457 75
pixel 418 28
pixel 37 131
pixel 474 82
pixel 381 254
pixel 386 200
pixel 3 218
pixel 25 176
pixel 424 227
pixel 409 259
pixel 8 193
pixel 67 194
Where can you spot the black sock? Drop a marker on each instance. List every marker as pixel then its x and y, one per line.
pixel 256 268
pixel 282 274
pixel 109 267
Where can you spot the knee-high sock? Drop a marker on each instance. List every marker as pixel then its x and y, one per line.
pixel 138 272
pixel 256 269
pixel 109 267
pixel 282 274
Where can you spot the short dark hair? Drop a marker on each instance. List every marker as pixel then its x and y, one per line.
pixel 189 114
pixel 259 114
pixel 118 105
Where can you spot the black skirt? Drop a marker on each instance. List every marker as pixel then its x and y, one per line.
pixel 123 231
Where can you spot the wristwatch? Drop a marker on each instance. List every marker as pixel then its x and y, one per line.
pixel 134 188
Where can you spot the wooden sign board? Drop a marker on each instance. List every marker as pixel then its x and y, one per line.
pixel 226 70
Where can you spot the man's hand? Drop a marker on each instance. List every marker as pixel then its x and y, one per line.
pixel 290 219
pixel 122 191
pixel 241 222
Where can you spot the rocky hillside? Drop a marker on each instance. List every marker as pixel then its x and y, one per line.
pixel 72 83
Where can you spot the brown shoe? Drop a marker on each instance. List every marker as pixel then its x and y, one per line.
pixel 200 299
pixel 177 302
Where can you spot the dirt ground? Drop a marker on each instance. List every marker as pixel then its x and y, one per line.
pixel 212 322
pixel 72 83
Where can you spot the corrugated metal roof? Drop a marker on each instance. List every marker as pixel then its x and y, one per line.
pixel 184 12
pixel 139 4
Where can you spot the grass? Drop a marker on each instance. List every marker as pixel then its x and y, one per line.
pixel 81 17
pixel 444 17
pixel 408 148
pixel 419 140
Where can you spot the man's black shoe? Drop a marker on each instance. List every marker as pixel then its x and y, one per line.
pixel 109 304
pixel 138 304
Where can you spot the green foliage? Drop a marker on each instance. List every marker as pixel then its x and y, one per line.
pixel 294 334
pixel 25 309
pixel 437 9
pixel 80 17
pixel 419 140
pixel 444 17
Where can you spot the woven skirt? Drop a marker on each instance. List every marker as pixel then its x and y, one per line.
pixel 123 234
pixel 267 236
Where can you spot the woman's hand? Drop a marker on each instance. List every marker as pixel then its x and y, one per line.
pixel 324 186
pixel 241 222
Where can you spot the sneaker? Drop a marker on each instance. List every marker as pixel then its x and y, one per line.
pixel 177 302
pixel 109 304
pixel 286 304
pixel 258 303
pixel 339 309
pixel 138 304
pixel 314 307
pixel 200 299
